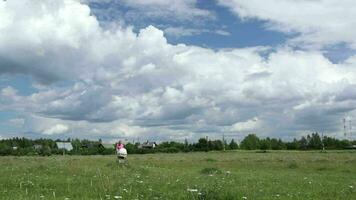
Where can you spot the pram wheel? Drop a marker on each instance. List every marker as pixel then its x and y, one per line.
pixel 121 160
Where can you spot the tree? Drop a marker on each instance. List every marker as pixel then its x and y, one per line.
pixel 303 143
pixel 315 141
pixel 233 145
pixel 265 144
pixel 202 144
pixel 250 142
pixel 294 145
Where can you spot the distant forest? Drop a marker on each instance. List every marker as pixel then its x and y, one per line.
pixel 46 147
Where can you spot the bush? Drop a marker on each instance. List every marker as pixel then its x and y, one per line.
pixel 169 150
pixel 45 151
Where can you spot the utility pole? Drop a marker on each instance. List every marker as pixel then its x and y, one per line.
pixel 322 140
pixel 344 121
pixel 350 127
pixel 64 148
pixel 223 141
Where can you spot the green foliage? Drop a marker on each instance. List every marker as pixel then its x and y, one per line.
pixel 250 142
pixel 26 147
pixel 45 151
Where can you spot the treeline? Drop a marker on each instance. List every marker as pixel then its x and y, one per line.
pixel 46 147
pixel 310 142
pixel 203 144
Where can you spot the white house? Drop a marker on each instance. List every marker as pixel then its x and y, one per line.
pixel 147 145
pixel 64 145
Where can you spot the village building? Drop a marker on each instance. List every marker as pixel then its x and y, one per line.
pixel 147 145
pixel 37 146
pixel 64 145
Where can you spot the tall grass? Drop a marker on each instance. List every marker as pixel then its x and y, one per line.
pixel 213 175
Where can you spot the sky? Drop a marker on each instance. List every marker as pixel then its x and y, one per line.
pixel 176 69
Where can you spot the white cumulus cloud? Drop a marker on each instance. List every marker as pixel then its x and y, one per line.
pixel 316 23
pixel 118 83
pixel 57 129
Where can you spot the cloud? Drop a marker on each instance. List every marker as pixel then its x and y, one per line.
pixel 140 10
pixel 16 122
pixel 57 129
pixel 181 31
pixel 312 24
pixel 114 82
pixel 180 10
pixel 248 126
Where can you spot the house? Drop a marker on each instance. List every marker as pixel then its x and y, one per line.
pixel 64 145
pixel 351 147
pixel 147 145
pixel 108 145
pixel 37 146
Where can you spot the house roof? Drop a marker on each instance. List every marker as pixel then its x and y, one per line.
pixel 64 145
pixel 108 145
pixel 149 143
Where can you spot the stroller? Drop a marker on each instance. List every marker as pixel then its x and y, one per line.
pixel 121 155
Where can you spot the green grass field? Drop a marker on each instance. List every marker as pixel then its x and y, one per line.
pixel 213 175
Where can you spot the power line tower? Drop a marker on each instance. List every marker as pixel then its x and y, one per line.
pixel 322 141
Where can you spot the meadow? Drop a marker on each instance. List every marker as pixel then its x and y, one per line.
pixel 211 175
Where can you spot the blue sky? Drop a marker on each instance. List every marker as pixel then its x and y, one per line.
pixel 170 70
